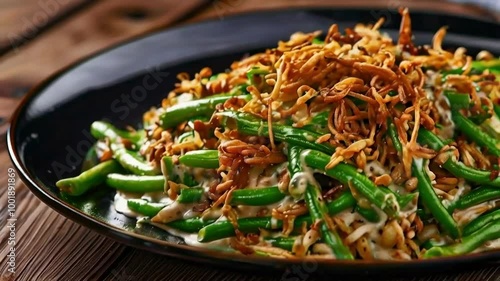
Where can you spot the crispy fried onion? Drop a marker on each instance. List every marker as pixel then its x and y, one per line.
pixel 358 80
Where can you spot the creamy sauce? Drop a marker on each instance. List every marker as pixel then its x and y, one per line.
pixel 488 246
pixel 176 211
pixel 192 238
pixel 374 168
pixel 467 215
pixel 157 197
pixel 254 176
pixel 121 206
pixel 322 249
pixel 299 182
pixel 493 244
pixel 494 123
pixel 373 231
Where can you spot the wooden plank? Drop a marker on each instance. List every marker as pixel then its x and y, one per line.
pixel 21 21
pixel 101 25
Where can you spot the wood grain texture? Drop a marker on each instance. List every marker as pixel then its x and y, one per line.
pixel 51 247
pixel 20 21
pixel 101 25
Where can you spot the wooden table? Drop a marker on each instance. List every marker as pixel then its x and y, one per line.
pixel 38 37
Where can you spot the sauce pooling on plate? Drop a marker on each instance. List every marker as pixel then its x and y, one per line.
pixel 344 145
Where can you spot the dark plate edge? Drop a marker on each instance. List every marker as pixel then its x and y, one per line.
pixel 201 254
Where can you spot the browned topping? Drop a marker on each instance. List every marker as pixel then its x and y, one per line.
pixel 361 79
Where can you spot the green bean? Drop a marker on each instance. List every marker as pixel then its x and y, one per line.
pixel 316 205
pixel 102 130
pixel 457 100
pixel 424 214
pixel 393 134
pixel 126 158
pixel 296 187
pixel 493 65
pixel 191 225
pixel 318 123
pixel 455 167
pixel 190 195
pixel 477 67
pixel 90 159
pixel 89 179
pixel 369 214
pixel 489 127
pixel 208 159
pixel 132 163
pixel 480 117
pixel 181 112
pixel 432 243
pixel 136 184
pixel 168 171
pixel 144 207
pixel 250 125
pixel 167 168
pixel 189 180
pixel 475 133
pixel 343 202
pixel 256 196
pixel 185 136
pixel 481 221
pixel 496 108
pixel 403 200
pixel 451 71
pixel 255 71
pixel 223 229
pixel 468 243
pixel 348 174
pixel 476 196
pixel 246 197
pixel 265 196
pixel 285 243
pixel 317 41
pixel 430 199
pixel 426 191
pixel 240 89
pixel 319 212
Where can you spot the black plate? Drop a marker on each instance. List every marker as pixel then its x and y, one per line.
pixel 50 130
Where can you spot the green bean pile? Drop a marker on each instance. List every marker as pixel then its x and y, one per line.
pixel 344 146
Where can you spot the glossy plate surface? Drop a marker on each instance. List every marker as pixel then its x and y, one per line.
pixel 49 135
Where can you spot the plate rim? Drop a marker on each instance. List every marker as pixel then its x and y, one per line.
pixel 205 255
